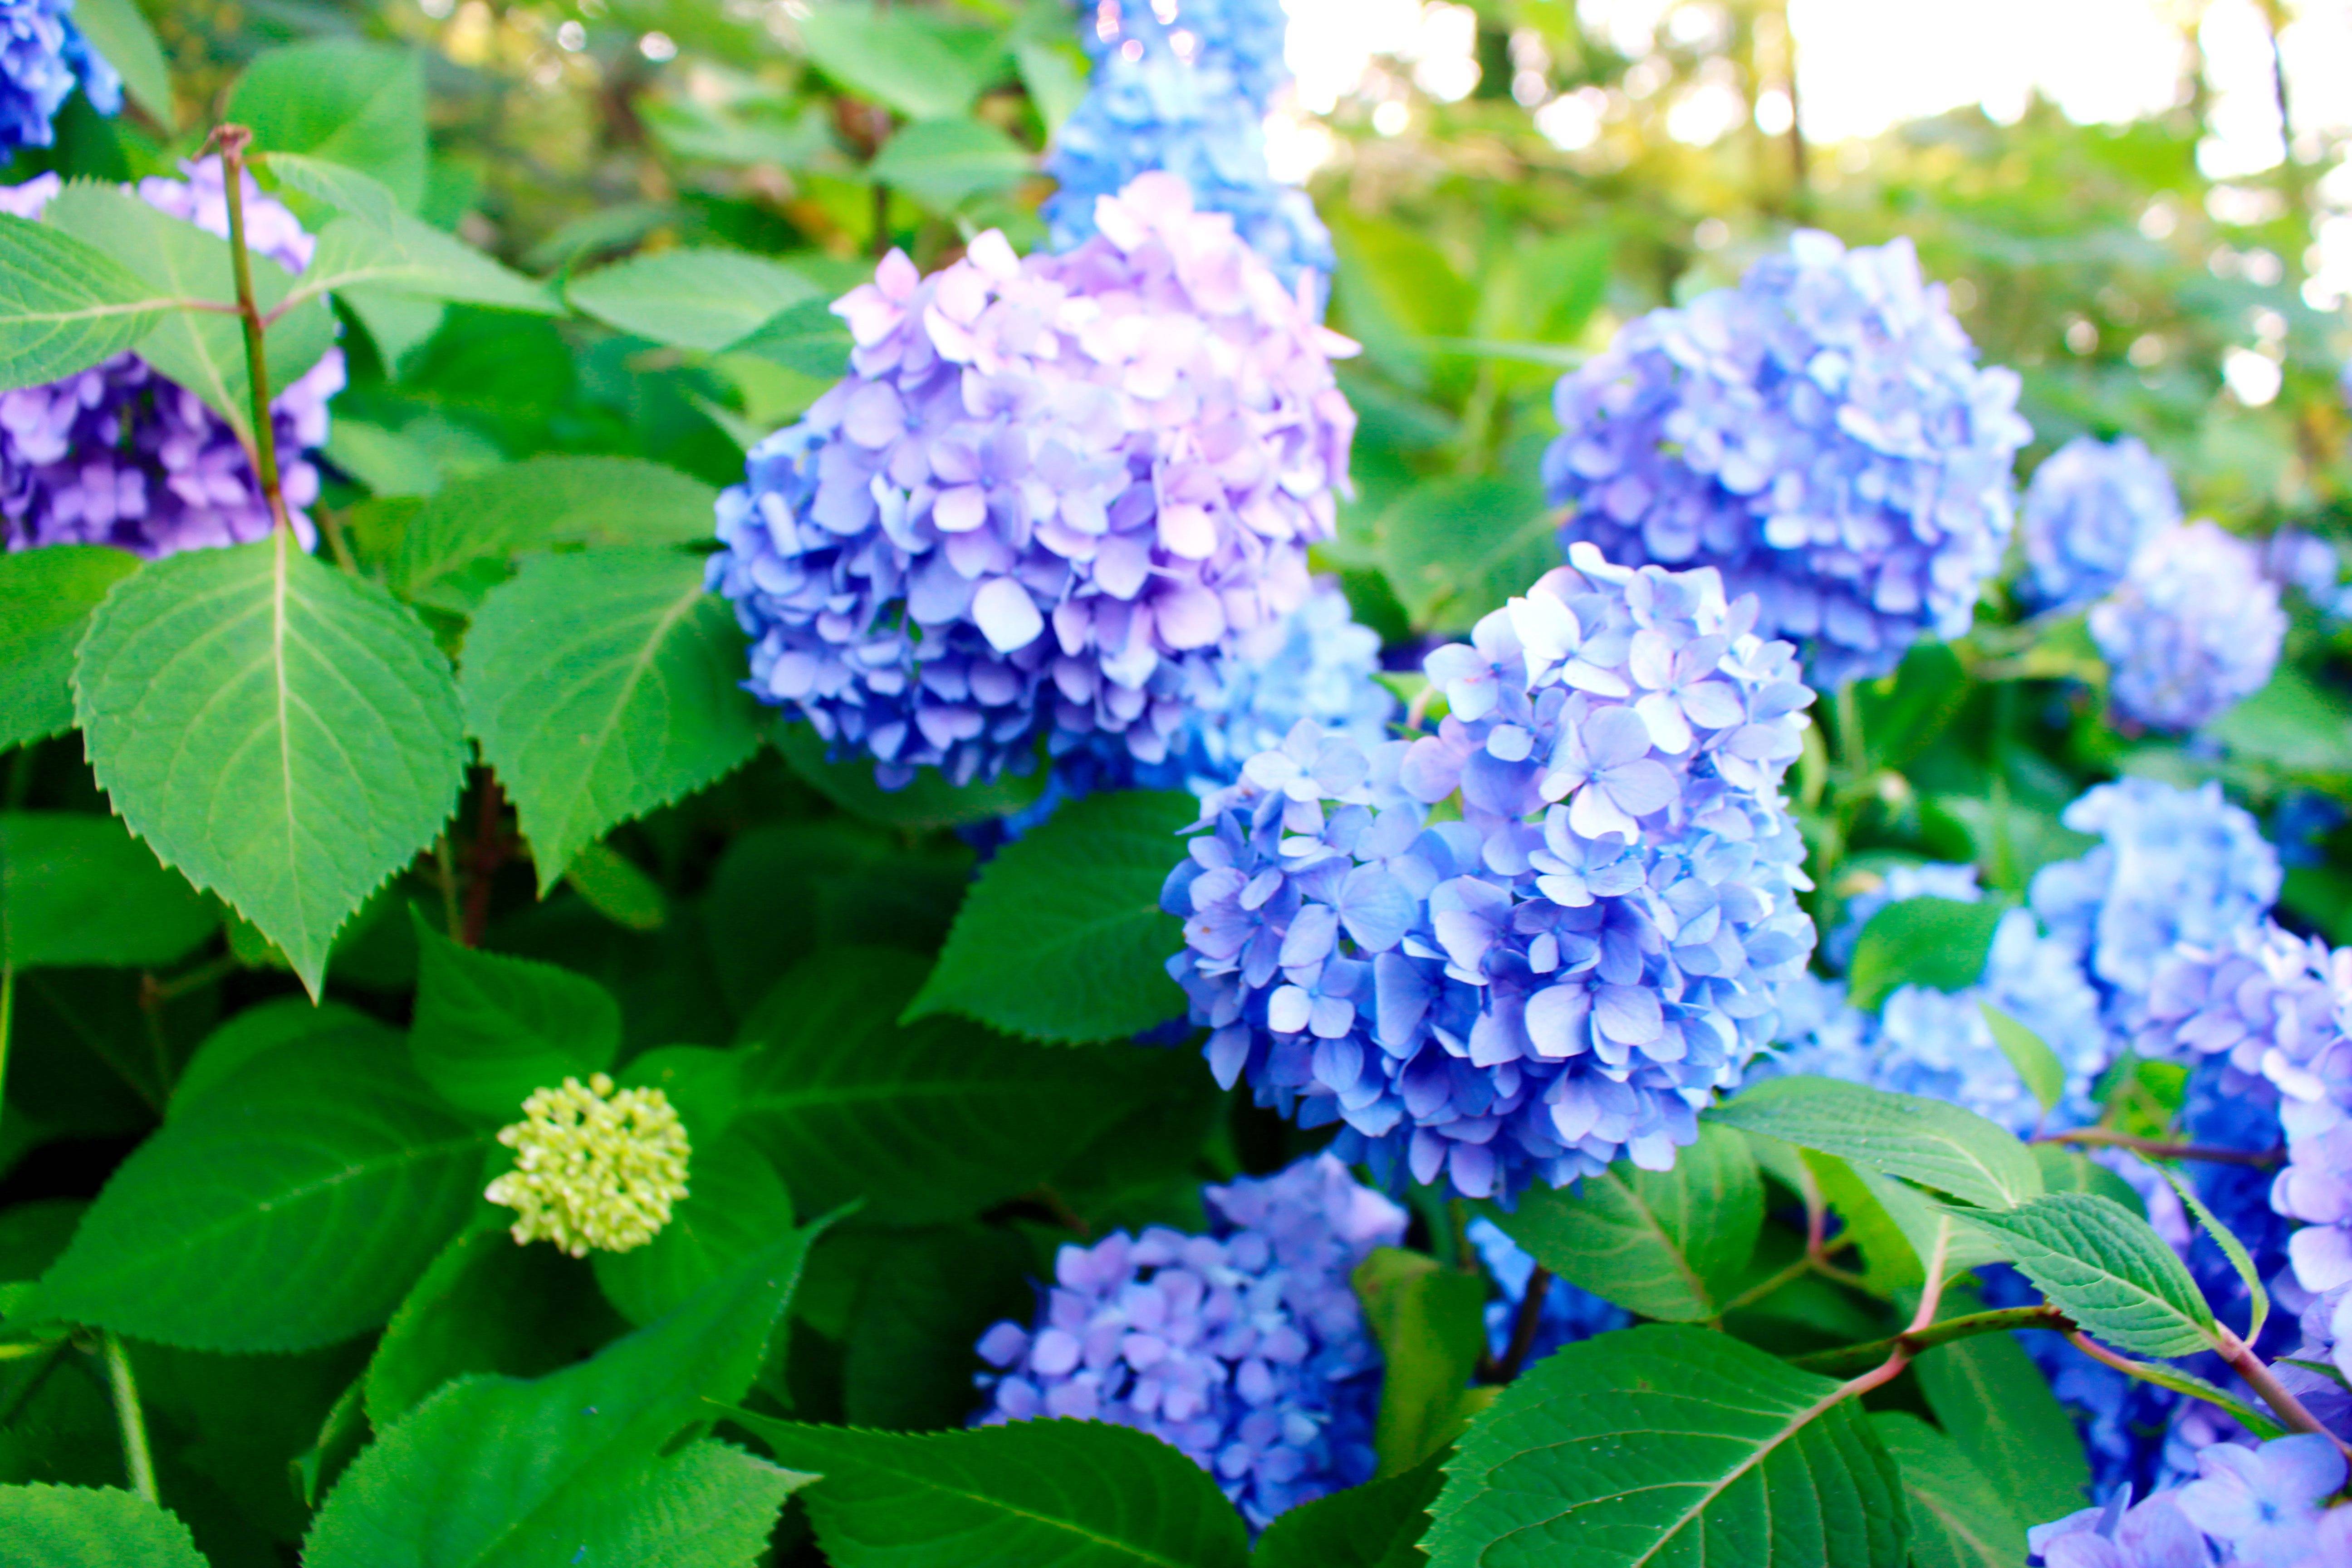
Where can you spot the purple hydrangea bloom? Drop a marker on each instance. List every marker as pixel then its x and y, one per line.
pixel 2090 508
pixel 117 455
pixel 1049 491
pixel 1245 1348
pixel 2325 1340
pixel 1184 86
pixel 1565 1315
pixel 1568 969
pixel 2261 1507
pixel 43 56
pixel 1822 433
pixel 2193 628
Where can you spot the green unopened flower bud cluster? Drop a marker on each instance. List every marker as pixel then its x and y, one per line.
pixel 594 1168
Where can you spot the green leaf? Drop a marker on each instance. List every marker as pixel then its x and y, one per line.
pixel 357 104
pixel 264 1028
pixel 1890 1256
pixel 1924 1141
pixel 933 1121
pixel 1993 1401
pixel 77 890
pixel 1671 1244
pixel 489 1029
pixel 1055 73
pixel 1666 1444
pixel 2030 1054
pixel 707 300
pixel 119 34
pixel 543 503
pixel 614 888
pixel 409 257
pixel 806 337
pixel 930 801
pixel 1430 1322
pixel 341 187
pixel 1076 1494
pixel 1455 549
pixel 602 685
pixel 566 1468
pixel 2231 1248
pixel 1377 1525
pixel 1936 943
pixel 46 599
pixel 91 1527
pixel 66 305
pixel 919 1313
pixel 283 734
pixel 1062 939
pixel 2107 1269
pixel 710 1505
pixel 1958 1518
pixel 2069 1170
pixel 735 1205
pixel 892 59
pixel 943 163
pixel 289 1208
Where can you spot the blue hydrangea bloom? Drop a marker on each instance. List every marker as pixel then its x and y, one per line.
pixel 1565 1315
pixel 2193 628
pixel 2090 508
pixel 1050 493
pixel 1568 969
pixel 1184 86
pixel 1822 433
pixel 2324 1337
pixel 2251 1507
pixel 43 56
pixel 1245 1348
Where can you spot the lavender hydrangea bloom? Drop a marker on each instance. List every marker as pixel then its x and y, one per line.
pixel 2193 628
pixel 2089 509
pixel 1564 1316
pixel 43 56
pixel 117 455
pixel 1048 492
pixel 1184 86
pixel 2261 1507
pixel 1822 433
pixel 1245 1348
pixel 1566 972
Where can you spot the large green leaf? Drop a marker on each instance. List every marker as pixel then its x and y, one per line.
pixel 1062 939
pixel 66 305
pixel 1377 1525
pixel 284 735
pixel 2107 1269
pixel 1431 1324
pixel 944 163
pixel 1671 1244
pixel 930 801
pixel 489 1028
pixel 1992 1400
pixel 408 256
pixel 46 599
pixel 263 1028
pixel 1936 943
pixel 91 1527
pixel 78 889
pixel 735 1205
pixel 1075 1494
pixel 357 104
pixel 289 1208
pixel 706 300
pixel 918 1316
pixel 933 1121
pixel 1669 1445
pixel 1455 549
pixel 807 337
pixel 1958 1518
pixel 1924 1141
pixel 892 58
pixel 569 1468
pixel 604 685
pixel 119 34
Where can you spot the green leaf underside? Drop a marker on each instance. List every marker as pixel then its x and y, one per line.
pixel 1062 938
pixel 2107 1269
pixel 1669 1244
pixel 1377 1525
pixel 284 735
pixel 290 1208
pixel 735 1205
pixel 528 1473
pixel 490 1028
pixel 65 306
pixel 1668 1445
pixel 91 1527
pixel 2037 1065
pixel 1924 1141
pixel 1958 1518
pixel 1936 943
pixel 706 300
pixel 46 598
pixel 1992 1400
pixel 544 503
pixel 1075 1494
pixel 78 889
pixel 604 685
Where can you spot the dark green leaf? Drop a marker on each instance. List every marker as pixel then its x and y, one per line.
pixel 46 599
pixel 919 1313
pixel 1989 1395
pixel 617 888
pixel 1671 1244
pixel 283 734
pixel 2037 1065
pixel 65 305
pixel 77 889
pixel 1377 1525
pixel 943 163
pixel 2107 1269
pixel 707 300
pixel 1076 1494
pixel 489 1029
pixel 892 58
pixel 735 1205
pixel 119 34
pixel 2292 723
pixel 1903 714
pixel 1430 1322
pixel 807 337
pixel 91 1527
pixel 1958 1518
pixel 357 104
pixel 1936 943
pixel 1924 1141
pixel 1455 549
pixel 930 801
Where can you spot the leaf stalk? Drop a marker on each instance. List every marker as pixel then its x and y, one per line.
pixel 234 140
pixel 137 1459
pixel 1911 1342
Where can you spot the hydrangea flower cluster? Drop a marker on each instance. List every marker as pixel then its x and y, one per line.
pixel 596 1169
pixel 117 455
pixel 2089 509
pixel 1565 1315
pixel 1049 491
pixel 43 56
pixel 2249 1508
pixel 1184 86
pixel 2193 628
pixel 1245 1348
pixel 1822 433
pixel 1566 970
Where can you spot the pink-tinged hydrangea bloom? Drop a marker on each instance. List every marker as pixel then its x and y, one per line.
pixel 1048 490
pixel 2194 626
pixel 1244 1349
pixel 1568 970
pixel 117 455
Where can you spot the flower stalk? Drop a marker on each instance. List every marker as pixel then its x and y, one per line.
pixel 234 142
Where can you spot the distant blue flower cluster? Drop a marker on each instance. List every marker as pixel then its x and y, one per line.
pixel 1184 86
pixel 1568 970
pixel 1245 1348
pixel 1565 1315
pixel 1822 433
pixel 2193 628
pixel 2261 1507
pixel 2089 509
pixel 43 56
